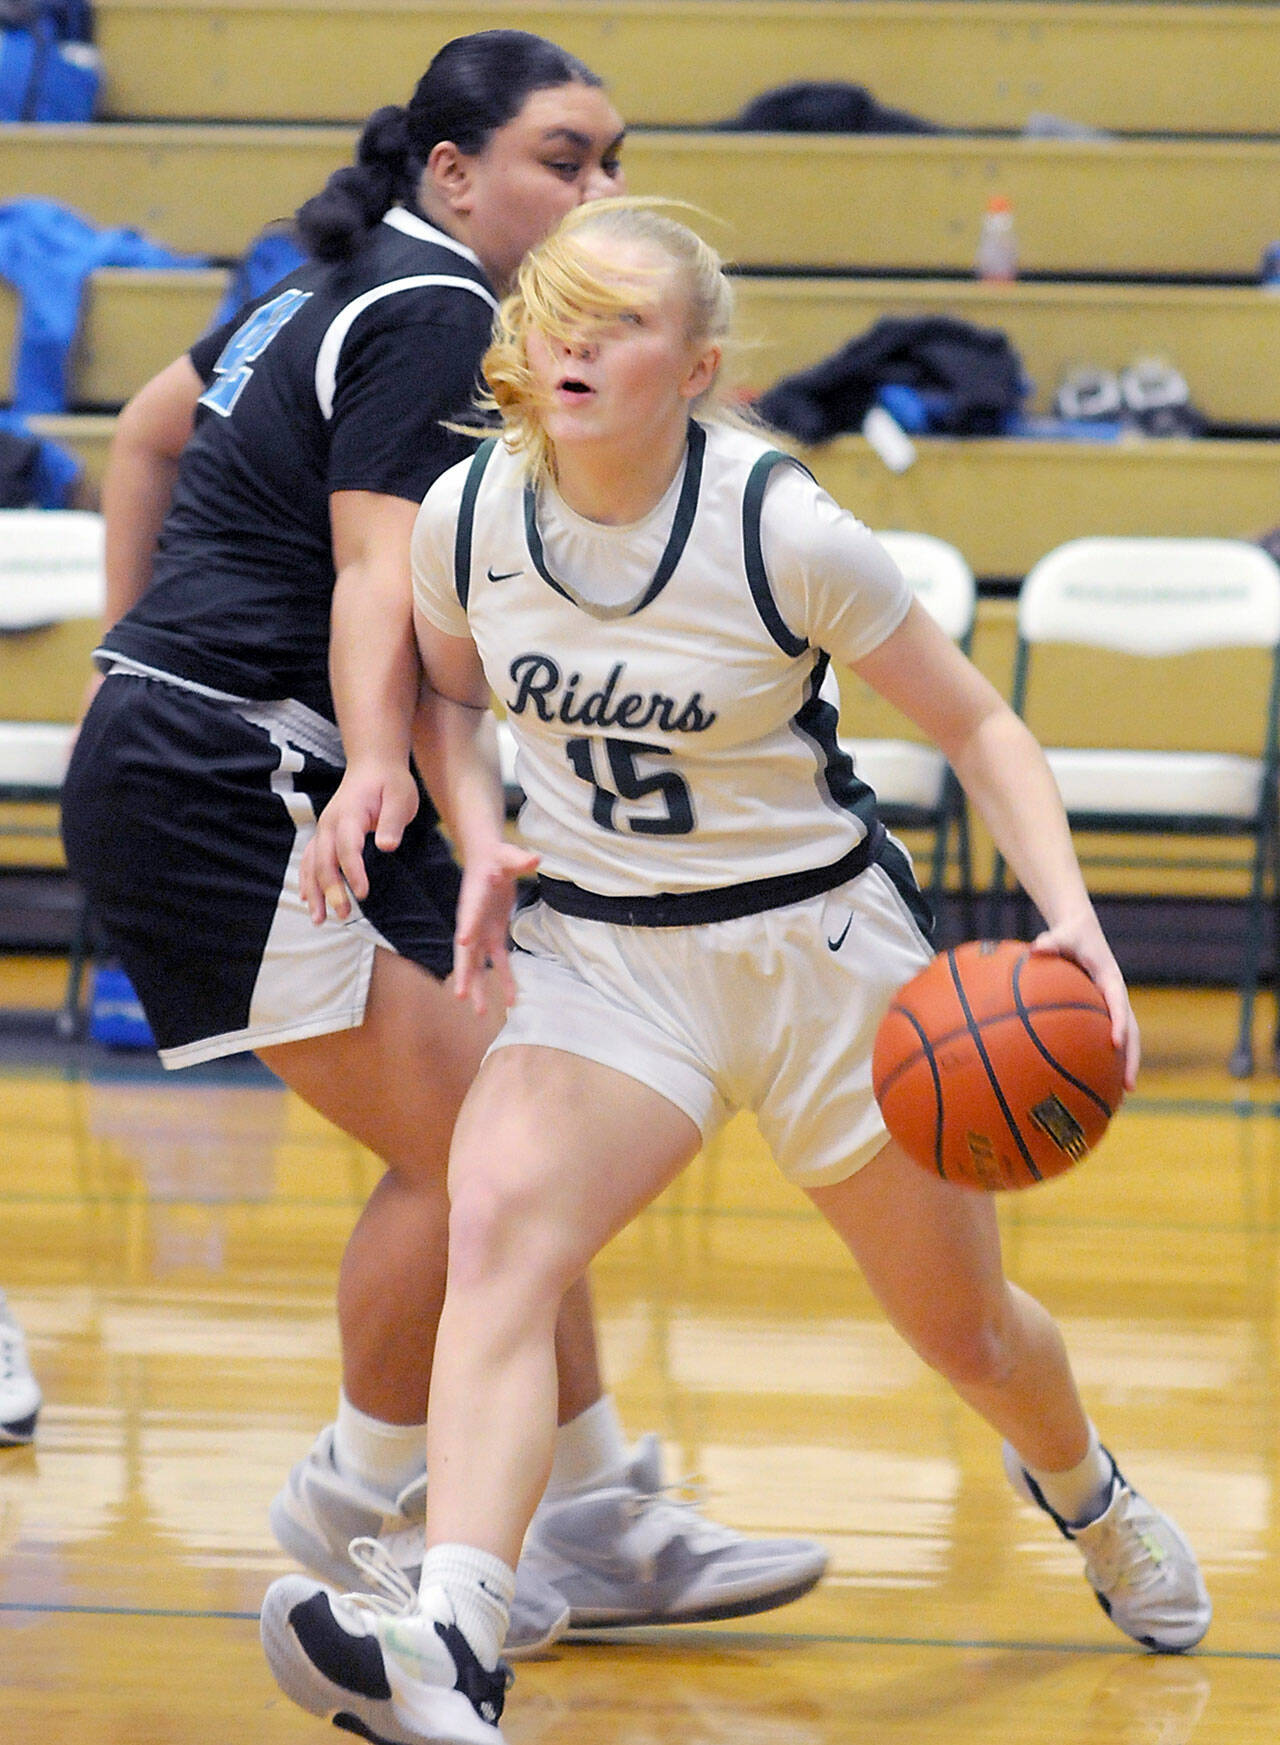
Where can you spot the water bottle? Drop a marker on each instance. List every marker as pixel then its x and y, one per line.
pixel 996 259
pixel 889 439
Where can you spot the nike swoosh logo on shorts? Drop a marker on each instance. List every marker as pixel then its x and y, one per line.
pixel 502 575
pixel 835 944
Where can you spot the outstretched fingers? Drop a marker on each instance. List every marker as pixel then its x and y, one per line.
pixel 484 914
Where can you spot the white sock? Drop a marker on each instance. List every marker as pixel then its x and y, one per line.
pixel 1081 1493
pixel 480 1587
pixel 384 1457
pixel 590 1450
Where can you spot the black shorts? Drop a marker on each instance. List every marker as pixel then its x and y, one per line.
pixel 184 819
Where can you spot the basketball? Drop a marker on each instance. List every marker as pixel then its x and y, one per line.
pixel 994 1066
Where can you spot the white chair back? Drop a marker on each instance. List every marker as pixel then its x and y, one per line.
pixel 939 577
pixel 51 566
pixel 1153 596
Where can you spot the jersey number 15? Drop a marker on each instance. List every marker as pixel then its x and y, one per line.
pixel 629 784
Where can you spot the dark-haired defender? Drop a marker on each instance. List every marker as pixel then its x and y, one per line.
pixel 260 495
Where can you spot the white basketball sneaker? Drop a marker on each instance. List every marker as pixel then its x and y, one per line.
pixel 390 1666
pixel 1142 1570
pixel 20 1397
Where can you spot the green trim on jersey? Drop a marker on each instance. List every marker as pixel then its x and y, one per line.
pixel 753 551
pixel 466 520
pixel 681 527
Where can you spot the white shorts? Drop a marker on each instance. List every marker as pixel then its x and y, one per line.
pixel 774 1012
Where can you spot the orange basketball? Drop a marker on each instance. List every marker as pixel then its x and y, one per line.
pixel 995 1066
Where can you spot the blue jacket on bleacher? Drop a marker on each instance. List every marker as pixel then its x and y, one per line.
pixel 46 253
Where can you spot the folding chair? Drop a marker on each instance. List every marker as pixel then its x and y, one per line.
pixel 1154 690
pixel 51 572
pixel 915 787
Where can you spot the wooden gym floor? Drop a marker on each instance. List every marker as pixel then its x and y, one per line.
pixel 170 1244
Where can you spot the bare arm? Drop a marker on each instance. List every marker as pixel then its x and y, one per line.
pixel 457 741
pixel 374 671
pixel 142 464
pixel 457 750
pixel 1003 770
pixel 458 756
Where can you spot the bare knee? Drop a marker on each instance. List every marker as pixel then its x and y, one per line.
pixel 975 1350
pixel 502 1240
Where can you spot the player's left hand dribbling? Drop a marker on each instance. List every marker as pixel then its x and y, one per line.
pixel 1081 939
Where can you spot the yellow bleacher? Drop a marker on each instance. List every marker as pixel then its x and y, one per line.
pixel 1140 67
pixel 800 201
pixel 1002 502
pixel 1145 242
pixel 134 321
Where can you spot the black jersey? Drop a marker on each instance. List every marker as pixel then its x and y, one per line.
pixel 336 379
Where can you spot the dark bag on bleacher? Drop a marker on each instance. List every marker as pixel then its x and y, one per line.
pixel 49 69
pixel 34 472
pixel 824 106
pixel 19 461
pixel 969 379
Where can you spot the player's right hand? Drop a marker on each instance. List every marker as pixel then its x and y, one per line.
pixel 369 802
pixel 485 902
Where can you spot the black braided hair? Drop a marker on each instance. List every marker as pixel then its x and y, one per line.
pixel 474 85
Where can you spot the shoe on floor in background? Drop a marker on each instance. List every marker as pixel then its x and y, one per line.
pixel 632 1552
pixel 1090 396
pixel 1156 397
pixel 20 1397
pixel 1041 124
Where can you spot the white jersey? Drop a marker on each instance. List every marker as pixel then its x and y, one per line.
pixel 668 683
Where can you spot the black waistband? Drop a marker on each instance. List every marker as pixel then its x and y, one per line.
pixel 725 903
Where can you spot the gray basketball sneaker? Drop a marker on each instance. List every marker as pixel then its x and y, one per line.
pixel 1140 1567
pixel 633 1553
pixel 319 1512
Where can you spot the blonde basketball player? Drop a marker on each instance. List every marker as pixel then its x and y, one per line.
pixel 655 593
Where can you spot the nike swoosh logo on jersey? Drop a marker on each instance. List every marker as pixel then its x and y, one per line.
pixel 502 575
pixel 836 943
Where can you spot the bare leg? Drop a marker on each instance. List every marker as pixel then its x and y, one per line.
pixel 931 1253
pixel 395 1084
pixel 552 1156
pixel 577 1356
